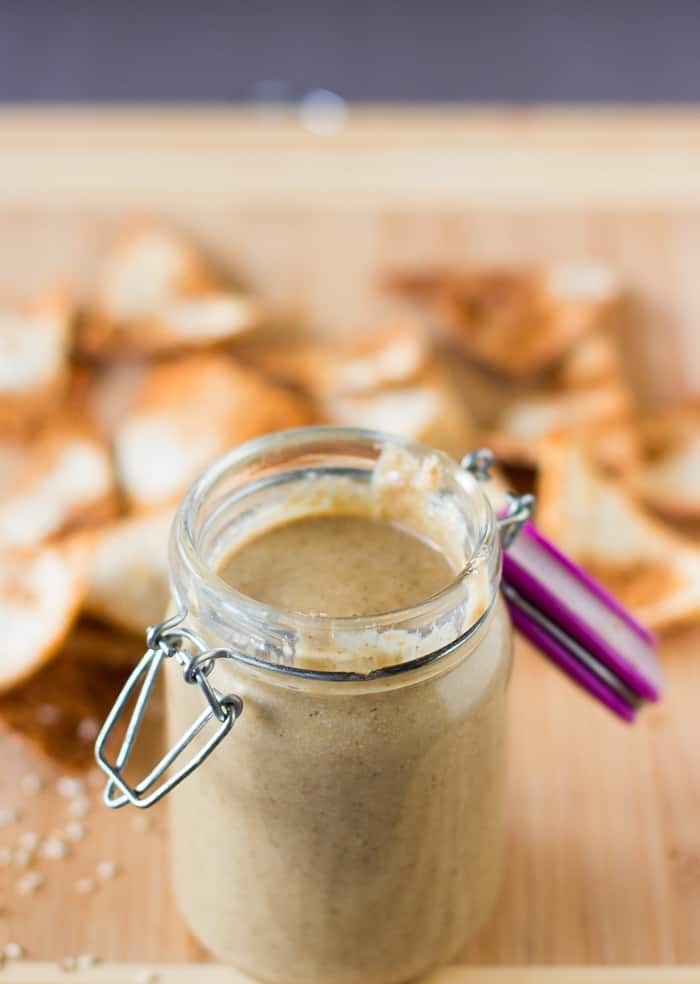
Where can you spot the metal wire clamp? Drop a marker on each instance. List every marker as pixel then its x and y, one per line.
pixel 165 641
pixel 519 508
pixel 171 640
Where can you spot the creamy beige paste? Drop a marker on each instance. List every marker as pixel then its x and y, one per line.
pixel 337 565
pixel 345 832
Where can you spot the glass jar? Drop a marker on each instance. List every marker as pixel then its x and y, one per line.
pixel 350 827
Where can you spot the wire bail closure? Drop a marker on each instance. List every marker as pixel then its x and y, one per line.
pixel 519 508
pixel 165 641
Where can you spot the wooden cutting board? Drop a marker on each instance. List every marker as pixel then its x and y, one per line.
pixel 168 974
pixel 604 838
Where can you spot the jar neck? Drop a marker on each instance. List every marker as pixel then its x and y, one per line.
pixel 316 471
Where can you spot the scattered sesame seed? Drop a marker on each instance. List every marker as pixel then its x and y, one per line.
pixel 85 960
pixel 140 823
pixel 31 784
pixel 32 881
pixel 85 885
pixel 75 830
pixel 5 856
pixel 79 806
pixel 54 849
pixel 29 840
pixel 67 964
pixel 14 951
pixel 69 787
pixel 8 816
pixel 106 870
pixel 87 730
pixel 22 858
pixel 96 778
pixel 48 714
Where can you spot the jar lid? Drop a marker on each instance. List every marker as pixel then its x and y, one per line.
pixel 578 625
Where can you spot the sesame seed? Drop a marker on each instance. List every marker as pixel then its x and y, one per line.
pixel 140 823
pixel 31 784
pixel 32 881
pixel 85 960
pixel 79 806
pixel 75 830
pixel 14 951
pixel 22 857
pixel 48 714
pixel 29 840
pixel 8 816
pixel 106 870
pixel 54 849
pixel 87 730
pixel 67 964
pixel 85 885
pixel 5 856
pixel 96 778
pixel 69 787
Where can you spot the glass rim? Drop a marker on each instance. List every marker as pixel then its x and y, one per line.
pixel 304 438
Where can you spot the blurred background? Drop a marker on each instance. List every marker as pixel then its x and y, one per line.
pixel 502 51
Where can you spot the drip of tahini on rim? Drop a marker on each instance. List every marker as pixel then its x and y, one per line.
pixel 324 470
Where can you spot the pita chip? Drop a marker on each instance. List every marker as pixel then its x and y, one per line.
pixel 189 411
pixel 593 518
pixel 156 295
pixel 41 592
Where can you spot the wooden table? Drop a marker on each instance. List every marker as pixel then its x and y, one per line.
pixel 604 820
pixel 604 841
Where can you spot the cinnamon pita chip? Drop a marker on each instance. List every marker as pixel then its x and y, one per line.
pixel 128 579
pixel 430 410
pixel 393 355
pixel 189 411
pixel 668 478
pixel 157 295
pixel 35 339
pixel 516 322
pixel 591 517
pixel 40 595
pixel 76 688
pixel 60 481
pixel 586 397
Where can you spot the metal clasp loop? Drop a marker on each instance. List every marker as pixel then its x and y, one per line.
pixel 519 508
pixel 165 641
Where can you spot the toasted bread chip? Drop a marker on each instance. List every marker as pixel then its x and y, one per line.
pixel 35 340
pixel 157 295
pixel 668 478
pixel 40 595
pixel 128 579
pixel 189 411
pixel 653 571
pixel 587 396
pixel 517 322
pixel 429 410
pixel 393 355
pixel 61 481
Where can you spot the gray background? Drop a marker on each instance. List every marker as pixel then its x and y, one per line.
pixel 491 51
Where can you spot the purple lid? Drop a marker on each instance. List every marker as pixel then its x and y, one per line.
pixel 571 599
pixel 561 653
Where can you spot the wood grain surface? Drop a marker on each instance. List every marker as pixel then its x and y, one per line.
pixel 43 973
pixel 316 221
pixel 604 839
pixel 603 854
